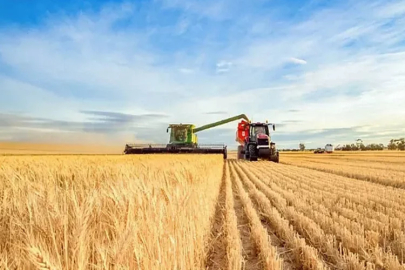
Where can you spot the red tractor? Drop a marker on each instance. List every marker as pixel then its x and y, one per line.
pixel 255 142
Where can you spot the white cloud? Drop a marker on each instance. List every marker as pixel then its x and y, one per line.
pixel 186 70
pixel 298 61
pixel 223 66
pixel 291 77
pixel 222 70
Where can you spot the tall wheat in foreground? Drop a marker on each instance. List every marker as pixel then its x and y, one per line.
pixel 121 212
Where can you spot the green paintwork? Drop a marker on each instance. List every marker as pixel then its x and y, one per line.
pixel 221 122
pixel 182 134
pixel 185 133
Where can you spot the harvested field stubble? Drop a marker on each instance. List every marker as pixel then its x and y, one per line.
pixel 383 167
pixel 197 212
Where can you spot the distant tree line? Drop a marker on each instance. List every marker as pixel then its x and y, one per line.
pixel 362 147
pixel 394 144
pixel 397 144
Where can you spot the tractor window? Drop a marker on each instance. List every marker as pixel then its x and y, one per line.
pixel 258 130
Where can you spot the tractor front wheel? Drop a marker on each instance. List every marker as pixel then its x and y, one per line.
pixel 275 158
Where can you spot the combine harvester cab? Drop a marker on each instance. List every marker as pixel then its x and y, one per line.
pixel 183 139
pixel 255 142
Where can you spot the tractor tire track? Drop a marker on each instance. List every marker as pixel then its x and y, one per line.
pixel 354 243
pixel 372 175
pixel 234 248
pixel 217 258
pixel 289 240
pixel 285 254
pixel 258 251
pixel 251 259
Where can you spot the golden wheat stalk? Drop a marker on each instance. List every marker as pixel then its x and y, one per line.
pixel 39 259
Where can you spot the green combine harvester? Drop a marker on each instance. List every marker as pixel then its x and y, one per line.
pixel 183 139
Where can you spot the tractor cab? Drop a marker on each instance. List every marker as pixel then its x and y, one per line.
pixel 255 130
pixel 259 130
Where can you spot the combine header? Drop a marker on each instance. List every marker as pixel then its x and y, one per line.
pixel 183 139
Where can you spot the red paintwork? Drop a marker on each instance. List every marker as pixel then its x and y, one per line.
pixel 242 133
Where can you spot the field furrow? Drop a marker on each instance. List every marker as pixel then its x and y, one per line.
pixel 258 253
pixel 370 158
pixel 366 231
pixel 344 201
pixel 299 252
pixel 350 234
pixel 233 237
pixel 355 165
pixel 308 228
pixel 384 177
pixel 388 233
pixel 386 200
pixel 218 246
pixel 285 253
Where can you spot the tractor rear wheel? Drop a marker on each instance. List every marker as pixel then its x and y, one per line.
pixel 252 152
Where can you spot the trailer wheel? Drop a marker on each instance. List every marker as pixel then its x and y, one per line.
pixel 240 154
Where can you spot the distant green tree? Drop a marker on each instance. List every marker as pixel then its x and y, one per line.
pixel 401 144
pixel 302 147
pixel 392 145
pixel 397 144
pixel 354 147
pixel 346 147
pixel 359 142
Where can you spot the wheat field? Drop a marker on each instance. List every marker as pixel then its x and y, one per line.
pixel 329 211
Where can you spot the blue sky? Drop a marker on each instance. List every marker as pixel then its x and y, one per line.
pixel 118 72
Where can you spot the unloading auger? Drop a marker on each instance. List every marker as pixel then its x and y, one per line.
pixel 183 139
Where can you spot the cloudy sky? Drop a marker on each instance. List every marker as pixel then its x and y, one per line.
pixel 82 71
